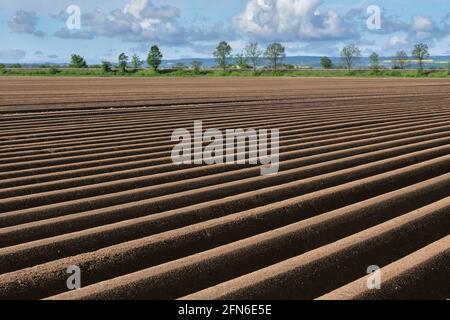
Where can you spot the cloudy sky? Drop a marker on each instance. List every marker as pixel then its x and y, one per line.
pixel 37 31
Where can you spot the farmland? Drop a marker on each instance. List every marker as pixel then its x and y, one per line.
pixel 87 180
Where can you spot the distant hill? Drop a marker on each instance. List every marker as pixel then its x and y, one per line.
pixel 314 62
pixel 300 61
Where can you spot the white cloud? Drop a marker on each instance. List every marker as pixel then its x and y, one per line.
pixel 142 21
pixel 291 20
pixel 12 55
pixel 144 9
pixel 420 23
pixel 397 40
pixel 25 22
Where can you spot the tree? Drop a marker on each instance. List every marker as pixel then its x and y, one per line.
pixel 196 66
pixel 123 62
pixel 54 70
pixel 326 63
pixel 401 59
pixel 154 58
pixel 420 53
pixel 275 53
pixel 78 61
pixel 241 60
pixel 222 54
pixel 136 62
pixel 375 61
pixel 253 53
pixel 106 66
pixel 349 55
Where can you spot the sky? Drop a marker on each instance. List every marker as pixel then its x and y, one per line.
pixel 47 31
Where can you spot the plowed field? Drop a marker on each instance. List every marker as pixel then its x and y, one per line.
pixel 86 179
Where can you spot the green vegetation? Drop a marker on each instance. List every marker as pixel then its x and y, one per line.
pixel 401 60
pixel 154 58
pixel 326 63
pixel 253 53
pixel 349 55
pixel 123 62
pixel 222 54
pixel 420 52
pixel 275 53
pixel 241 61
pixel 196 66
pixel 78 61
pixel 375 62
pixel 136 62
pixel 106 70
pixel 106 66
pixel 246 64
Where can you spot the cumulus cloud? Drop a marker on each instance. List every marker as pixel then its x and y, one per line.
pixel 144 9
pixel 397 40
pixel 141 20
pixel 291 20
pixel 423 28
pixel 12 54
pixel 25 22
pixel 420 23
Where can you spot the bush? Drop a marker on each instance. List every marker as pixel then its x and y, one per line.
pixel 53 70
pixel 106 66
pixel 395 73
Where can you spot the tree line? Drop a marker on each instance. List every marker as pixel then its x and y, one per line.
pixel 351 54
pixel 251 56
pixel 154 60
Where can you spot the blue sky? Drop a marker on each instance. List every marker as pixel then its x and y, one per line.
pixel 36 31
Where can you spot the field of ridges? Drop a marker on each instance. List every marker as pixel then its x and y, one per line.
pixel 86 179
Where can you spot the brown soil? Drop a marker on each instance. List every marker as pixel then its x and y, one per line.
pixel 86 179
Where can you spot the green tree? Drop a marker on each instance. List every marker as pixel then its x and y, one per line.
pixel 401 59
pixel 136 62
pixel 106 66
pixel 253 53
pixel 54 69
pixel 326 63
pixel 196 66
pixel 154 58
pixel 78 61
pixel 241 60
pixel 222 54
pixel 375 61
pixel 420 53
pixel 123 62
pixel 349 55
pixel 275 53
